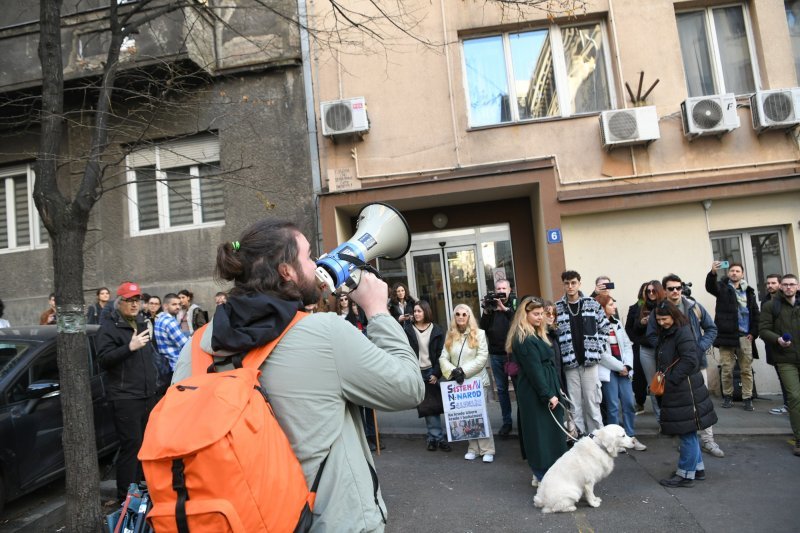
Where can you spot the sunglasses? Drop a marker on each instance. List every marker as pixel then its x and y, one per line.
pixel 674 289
pixel 462 314
pixel 651 291
pixel 131 300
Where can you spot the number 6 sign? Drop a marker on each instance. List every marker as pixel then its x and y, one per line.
pixel 553 236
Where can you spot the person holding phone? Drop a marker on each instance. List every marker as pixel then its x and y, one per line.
pixel 401 304
pixel 126 352
pixel 636 328
pixel 736 316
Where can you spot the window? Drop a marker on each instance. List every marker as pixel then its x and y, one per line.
pixel 793 19
pixel 175 186
pixel 20 226
pixel 717 51
pixel 548 72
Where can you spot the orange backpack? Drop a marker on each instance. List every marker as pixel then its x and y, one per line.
pixel 216 460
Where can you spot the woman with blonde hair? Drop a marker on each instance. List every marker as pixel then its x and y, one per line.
pixel 538 388
pixel 464 356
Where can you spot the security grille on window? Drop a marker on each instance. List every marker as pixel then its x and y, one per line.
pixel 20 226
pixel 548 72
pixel 173 186
pixel 716 47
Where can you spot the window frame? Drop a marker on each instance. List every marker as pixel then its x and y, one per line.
pixel 559 70
pixel 717 74
pixel 207 142
pixel 34 222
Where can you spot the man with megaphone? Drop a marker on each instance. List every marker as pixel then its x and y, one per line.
pixel 322 369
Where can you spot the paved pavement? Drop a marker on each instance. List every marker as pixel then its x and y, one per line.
pixel 754 488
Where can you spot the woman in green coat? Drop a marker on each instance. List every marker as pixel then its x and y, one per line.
pixel 537 388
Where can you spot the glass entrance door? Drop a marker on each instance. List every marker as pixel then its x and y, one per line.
pixel 447 277
pixel 762 252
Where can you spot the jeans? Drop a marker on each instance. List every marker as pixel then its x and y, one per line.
pixel 583 387
pixel 434 422
pixel 618 392
pixel 130 419
pixel 647 356
pixel 501 380
pixel 483 446
pixel 368 418
pixel 790 375
pixel 728 356
pixel 690 456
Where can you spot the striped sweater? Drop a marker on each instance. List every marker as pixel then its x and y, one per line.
pixel 595 332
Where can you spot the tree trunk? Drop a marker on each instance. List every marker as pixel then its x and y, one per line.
pixel 80 447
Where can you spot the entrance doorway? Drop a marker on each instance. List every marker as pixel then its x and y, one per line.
pixel 451 267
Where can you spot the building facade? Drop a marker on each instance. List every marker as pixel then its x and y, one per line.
pixel 209 133
pixel 519 145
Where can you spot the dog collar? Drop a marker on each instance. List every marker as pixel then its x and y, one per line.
pixel 591 436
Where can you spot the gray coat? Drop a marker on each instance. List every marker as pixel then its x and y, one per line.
pixel 316 378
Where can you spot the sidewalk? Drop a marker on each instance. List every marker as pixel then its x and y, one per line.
pixel 44 511
pixel 733 421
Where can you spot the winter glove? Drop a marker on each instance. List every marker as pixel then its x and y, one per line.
pixel 457 375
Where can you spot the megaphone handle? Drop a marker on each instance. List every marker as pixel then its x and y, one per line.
pixel 360 264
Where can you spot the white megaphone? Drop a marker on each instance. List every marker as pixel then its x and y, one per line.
pixel 381 231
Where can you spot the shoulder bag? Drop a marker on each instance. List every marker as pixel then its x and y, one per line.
pixel 659 379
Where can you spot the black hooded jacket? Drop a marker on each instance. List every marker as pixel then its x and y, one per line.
pixel 130 375
pixel 686 406
pixel 726 312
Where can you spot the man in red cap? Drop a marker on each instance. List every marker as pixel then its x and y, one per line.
pixel 131 362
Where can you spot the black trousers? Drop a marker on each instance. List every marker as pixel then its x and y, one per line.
pixel 130 419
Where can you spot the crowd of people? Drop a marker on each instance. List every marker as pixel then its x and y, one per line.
pixel 576 365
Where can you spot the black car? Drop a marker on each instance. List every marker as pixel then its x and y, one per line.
pixel 31 453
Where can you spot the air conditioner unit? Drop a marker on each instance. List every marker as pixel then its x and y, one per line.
pixel 626 127
pixel 778 109
pixel 344 117
pixel 709 115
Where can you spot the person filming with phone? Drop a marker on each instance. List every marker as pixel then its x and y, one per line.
pixel 736 316
pixel 401 304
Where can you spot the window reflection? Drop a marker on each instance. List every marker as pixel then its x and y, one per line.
pixel 487 82
pixel 586 69
pixel 534 79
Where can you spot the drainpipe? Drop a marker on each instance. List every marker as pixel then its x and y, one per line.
pixel 311 119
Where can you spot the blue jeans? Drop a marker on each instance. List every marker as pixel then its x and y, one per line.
pixel 618 392
pixel 433 423
pixel 690 457
pixel 501 380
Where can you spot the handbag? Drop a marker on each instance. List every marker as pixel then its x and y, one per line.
pixel 510 367
pixel 659 380
pixel 431 404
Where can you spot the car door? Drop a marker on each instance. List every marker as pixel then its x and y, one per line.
pixel 37 423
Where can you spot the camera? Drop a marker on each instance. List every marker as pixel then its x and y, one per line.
pixel 489 301
pixel 687 289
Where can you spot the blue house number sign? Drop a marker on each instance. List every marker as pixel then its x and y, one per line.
pixel 553 236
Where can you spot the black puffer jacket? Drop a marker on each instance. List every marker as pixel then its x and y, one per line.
pixel 726 312
pixel 686 406
pixel 637 332
pixel 435 345
pixel 131 375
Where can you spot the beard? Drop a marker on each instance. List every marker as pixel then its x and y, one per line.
pixel 309 291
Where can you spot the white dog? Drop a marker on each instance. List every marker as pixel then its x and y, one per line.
pixel 576 472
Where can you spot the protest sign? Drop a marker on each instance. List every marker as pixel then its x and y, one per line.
pixel 465 410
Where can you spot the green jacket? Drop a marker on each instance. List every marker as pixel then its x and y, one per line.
pixel 772 325
pixel 316 378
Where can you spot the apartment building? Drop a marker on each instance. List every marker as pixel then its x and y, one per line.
pixel 520 145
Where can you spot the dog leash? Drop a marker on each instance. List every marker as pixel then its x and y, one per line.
pixel 568 414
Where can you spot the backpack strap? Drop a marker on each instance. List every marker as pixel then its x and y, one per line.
pixel 201 360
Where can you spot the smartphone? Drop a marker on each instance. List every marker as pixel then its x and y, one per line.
pixel 724 264
pixel 610 285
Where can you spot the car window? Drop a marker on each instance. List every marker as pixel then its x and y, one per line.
pixel 45 368
pixel 10 353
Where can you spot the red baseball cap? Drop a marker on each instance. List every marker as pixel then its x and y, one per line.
pixel 129 289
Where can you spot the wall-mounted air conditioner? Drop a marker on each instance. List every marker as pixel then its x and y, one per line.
pixel 344 117
pixel 709 115
pixel 778 109
pixel 625 127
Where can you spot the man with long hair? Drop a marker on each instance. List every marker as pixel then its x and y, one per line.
pixel 320 371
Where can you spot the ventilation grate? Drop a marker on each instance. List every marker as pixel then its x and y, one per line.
pixel 339 117
pixel 778 107
pixel 622 125
pixel 707 114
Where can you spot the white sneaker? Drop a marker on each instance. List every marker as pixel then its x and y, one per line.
pixel 488 458
pixel 534 481
pixel 638 446
pixel 713 449
pixel 782 410
pixel 469 456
